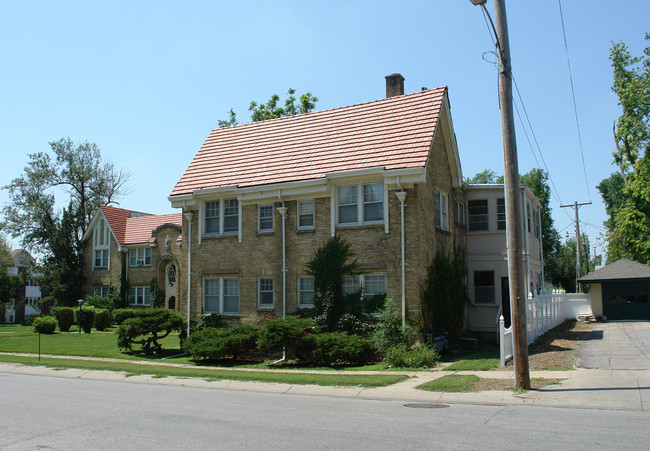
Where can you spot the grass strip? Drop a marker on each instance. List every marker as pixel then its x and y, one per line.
pixel 451 383
pixel 342 380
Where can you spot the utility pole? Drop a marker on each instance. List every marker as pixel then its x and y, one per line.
pixel 514 223
pixel 578 265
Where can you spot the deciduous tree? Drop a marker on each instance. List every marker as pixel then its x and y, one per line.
pixel 272 109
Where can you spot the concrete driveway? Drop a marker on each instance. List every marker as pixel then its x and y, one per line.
pixel 616 345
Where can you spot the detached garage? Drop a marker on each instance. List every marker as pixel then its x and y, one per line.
pixel 620 290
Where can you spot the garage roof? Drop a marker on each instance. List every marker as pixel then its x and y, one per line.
pixel 622 269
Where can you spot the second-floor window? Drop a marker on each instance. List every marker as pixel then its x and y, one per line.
pixel 265 216
pixel 442 211
pixel 140 256
pixel 478 215
pixel 361 204
pixel 101 258
pixel 501 213
pixel 306 214
pixel 459 213
pixel 221 217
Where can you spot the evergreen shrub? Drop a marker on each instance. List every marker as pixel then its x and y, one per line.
pixel 339 348
pixel 65 317
pixel 121 314
pixel 85 318
pixel 420 356
pixel 102 319
pixel 45 324
pixel 211 343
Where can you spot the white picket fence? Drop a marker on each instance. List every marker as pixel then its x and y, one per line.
pixel 544 311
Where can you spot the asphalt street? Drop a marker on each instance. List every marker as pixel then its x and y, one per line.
pixel 43 412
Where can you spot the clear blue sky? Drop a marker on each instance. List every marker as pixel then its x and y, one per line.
pixel 147 81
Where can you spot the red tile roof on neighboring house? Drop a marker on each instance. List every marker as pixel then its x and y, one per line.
pixel 134 227
pixel 392 133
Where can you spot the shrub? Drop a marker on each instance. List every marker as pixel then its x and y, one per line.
pixel 121 314
pixel 338 348
pixel 45 325
pixel 29 321
pixel 213 320
pixel 100 302
pixel 152 325
pixel 65 317
pixel 85 318
pixel 289 334
pixel 389 331
pixel 102 319
pixel 421 356
pixel 212 343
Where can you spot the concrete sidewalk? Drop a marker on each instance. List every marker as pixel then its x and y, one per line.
pixel 581 388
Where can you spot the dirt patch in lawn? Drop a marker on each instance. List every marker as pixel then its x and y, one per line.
pixel 558 348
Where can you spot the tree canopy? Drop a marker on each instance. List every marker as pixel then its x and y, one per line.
pixel 272 109
pixel 626 194
pixel 75 177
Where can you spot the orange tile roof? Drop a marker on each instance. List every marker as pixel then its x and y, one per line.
pixel 136 230
pixel 393 133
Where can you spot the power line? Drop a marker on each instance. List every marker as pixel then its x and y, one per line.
pixel 573 95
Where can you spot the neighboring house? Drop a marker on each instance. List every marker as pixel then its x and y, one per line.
pixel 620 290
pixel 25 303
pixel 259 199
pixel 487 254
pixel 143 245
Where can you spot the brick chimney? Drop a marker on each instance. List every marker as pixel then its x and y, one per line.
pixel 394 85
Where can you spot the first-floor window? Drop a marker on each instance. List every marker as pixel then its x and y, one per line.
pixel 306 292
pixel 101 292
pixel 101 258
pixel 370 284
pixel 484 287
pixel 140 295
pixel 265 292
pixel 221 295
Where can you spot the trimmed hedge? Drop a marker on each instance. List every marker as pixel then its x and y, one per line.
pixel 102 319
pixel 211 343
pixel 122 314
pixel 45 324
pixel 289 334
pixel 86 318
pixel 340 348
pixel 421 356
pixel 65 317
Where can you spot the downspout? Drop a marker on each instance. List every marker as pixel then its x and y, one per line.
pixel 283 212
pixel 401 195
pixel 189 216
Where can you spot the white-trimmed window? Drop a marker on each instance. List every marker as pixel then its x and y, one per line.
pixel 101 292
pixel 100 245
pixel 478 215
pixel 484 287
pixel 306 212
pixel 101 258
pixel 370 284
pixel 365 209
pixel 265 218
pixel 221 295
pixel 459 213
pixel 537 223
pixel 140 256
pixel 528 216
pixel 305 292
pixel 221 217
pixel 265 292
pixel 140 295
pixel 442 211
pixel 501 213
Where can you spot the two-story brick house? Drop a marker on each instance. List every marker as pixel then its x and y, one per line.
pixel 26 300
pixel 258 199
pixel 142 245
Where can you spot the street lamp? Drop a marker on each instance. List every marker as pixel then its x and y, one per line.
pixel 80 301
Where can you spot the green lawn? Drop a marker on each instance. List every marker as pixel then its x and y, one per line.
pixel 17 338
pixel 23 339
pixel 477 362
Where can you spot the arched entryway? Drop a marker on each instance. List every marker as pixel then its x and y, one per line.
pixel 170 285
